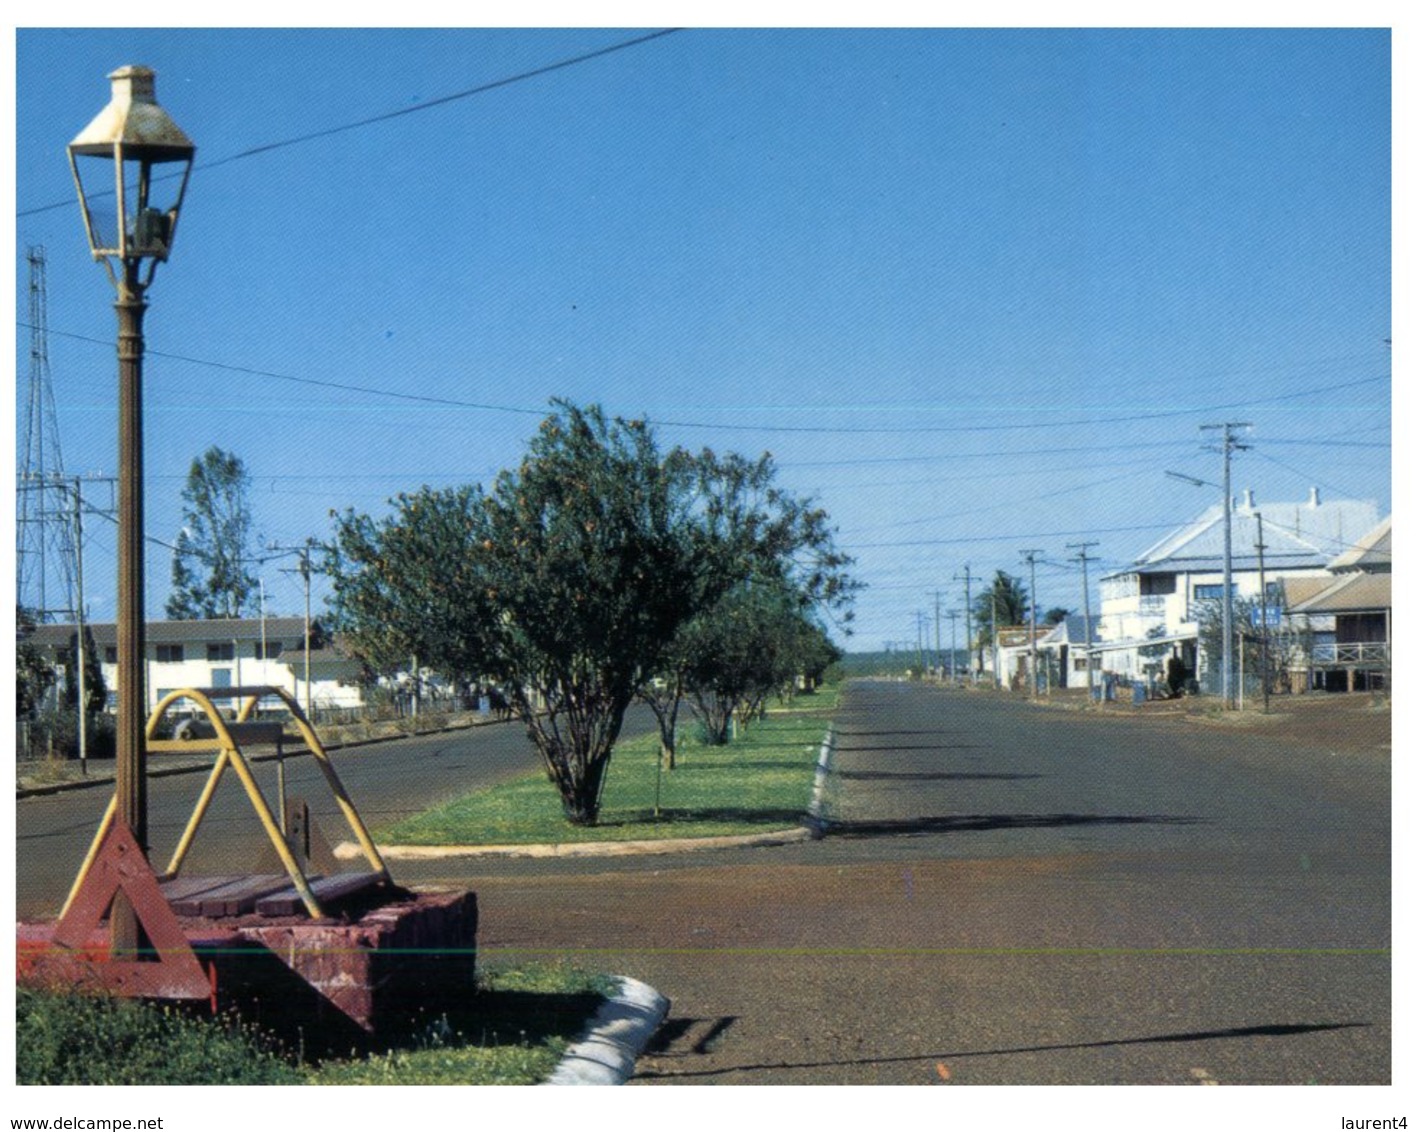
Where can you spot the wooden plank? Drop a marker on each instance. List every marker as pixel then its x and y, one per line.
pixel 228 897
pixel 288 901
pixel 183 888
pixel 242 898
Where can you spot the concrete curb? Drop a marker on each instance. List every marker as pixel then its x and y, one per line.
pixel 606 1053
pixel 348 850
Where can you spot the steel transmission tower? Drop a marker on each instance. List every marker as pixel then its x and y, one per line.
pixel 45 557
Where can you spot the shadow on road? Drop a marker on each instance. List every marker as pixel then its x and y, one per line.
pixel 1272 1030
pixel 940 747
pixel 884 734
pixel 931 776
pixel 975 822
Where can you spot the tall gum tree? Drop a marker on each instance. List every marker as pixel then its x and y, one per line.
pixel 211 565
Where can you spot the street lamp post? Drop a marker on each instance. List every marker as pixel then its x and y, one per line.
pixel 128 140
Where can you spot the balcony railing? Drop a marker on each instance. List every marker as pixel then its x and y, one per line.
pixel 1359 652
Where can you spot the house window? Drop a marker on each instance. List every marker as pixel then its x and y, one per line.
pixel 169 654
pixel 1211 592
pixel 223 651
pixel 270 651
pixel 110 654
pixel 1155 585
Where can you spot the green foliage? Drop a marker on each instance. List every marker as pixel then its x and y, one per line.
pixel 404 584
pixel 512 1032
pixel 772 564
pixel 33 676
pixel 76 1039
pixel 562 583
pixel 756 640
pixel 762 781
pixel 211 574
pixel 1006 599
pixel 567 581
pixel 95 688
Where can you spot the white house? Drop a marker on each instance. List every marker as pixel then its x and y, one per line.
pixel 222 653
pixel 1152 609
pixel 1064 652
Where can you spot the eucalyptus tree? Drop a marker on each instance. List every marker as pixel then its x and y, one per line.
pixel 211 564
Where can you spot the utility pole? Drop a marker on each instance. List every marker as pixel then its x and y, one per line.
pixel 1034 652
pixel 938 628
pixel 953 614
pixel 994 643
pixel 305 577
pixel 1083 556
pixel 79 650
pixel 1229 443
pixel 303 569
pixel 1265 663
pixel 957 578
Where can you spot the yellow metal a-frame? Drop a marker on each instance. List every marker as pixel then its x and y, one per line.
pixel 226 738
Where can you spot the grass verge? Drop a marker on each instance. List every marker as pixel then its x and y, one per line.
pixel 760 782
pixel 513 1031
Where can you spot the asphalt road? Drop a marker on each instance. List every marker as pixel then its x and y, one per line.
pixel 387 781
pixel 1010 895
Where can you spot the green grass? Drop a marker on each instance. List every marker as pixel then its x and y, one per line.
pixel 84 1039
pixel 512 1032
pixel 760 782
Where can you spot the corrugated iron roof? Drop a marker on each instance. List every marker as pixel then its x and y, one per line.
pixel 1350 593
pixel 1295 536
pixel 1373 552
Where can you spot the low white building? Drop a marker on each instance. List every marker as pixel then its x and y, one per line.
pixel 222 653
pixel 1065 653
pixel 1153 609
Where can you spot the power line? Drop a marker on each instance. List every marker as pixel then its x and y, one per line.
pixel 483 406
pixel 1011 537
pixel 419 107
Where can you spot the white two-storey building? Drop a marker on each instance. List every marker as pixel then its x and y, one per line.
pixel 1152 609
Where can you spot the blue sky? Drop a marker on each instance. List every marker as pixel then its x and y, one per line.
pixel 975 289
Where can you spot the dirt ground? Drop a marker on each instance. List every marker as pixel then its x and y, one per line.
pixel 1341 722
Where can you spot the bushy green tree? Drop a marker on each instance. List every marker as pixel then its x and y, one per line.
pixel 563 583
pixel 567 581
pixel 750 530
pixel 405 585
pixel 753 643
